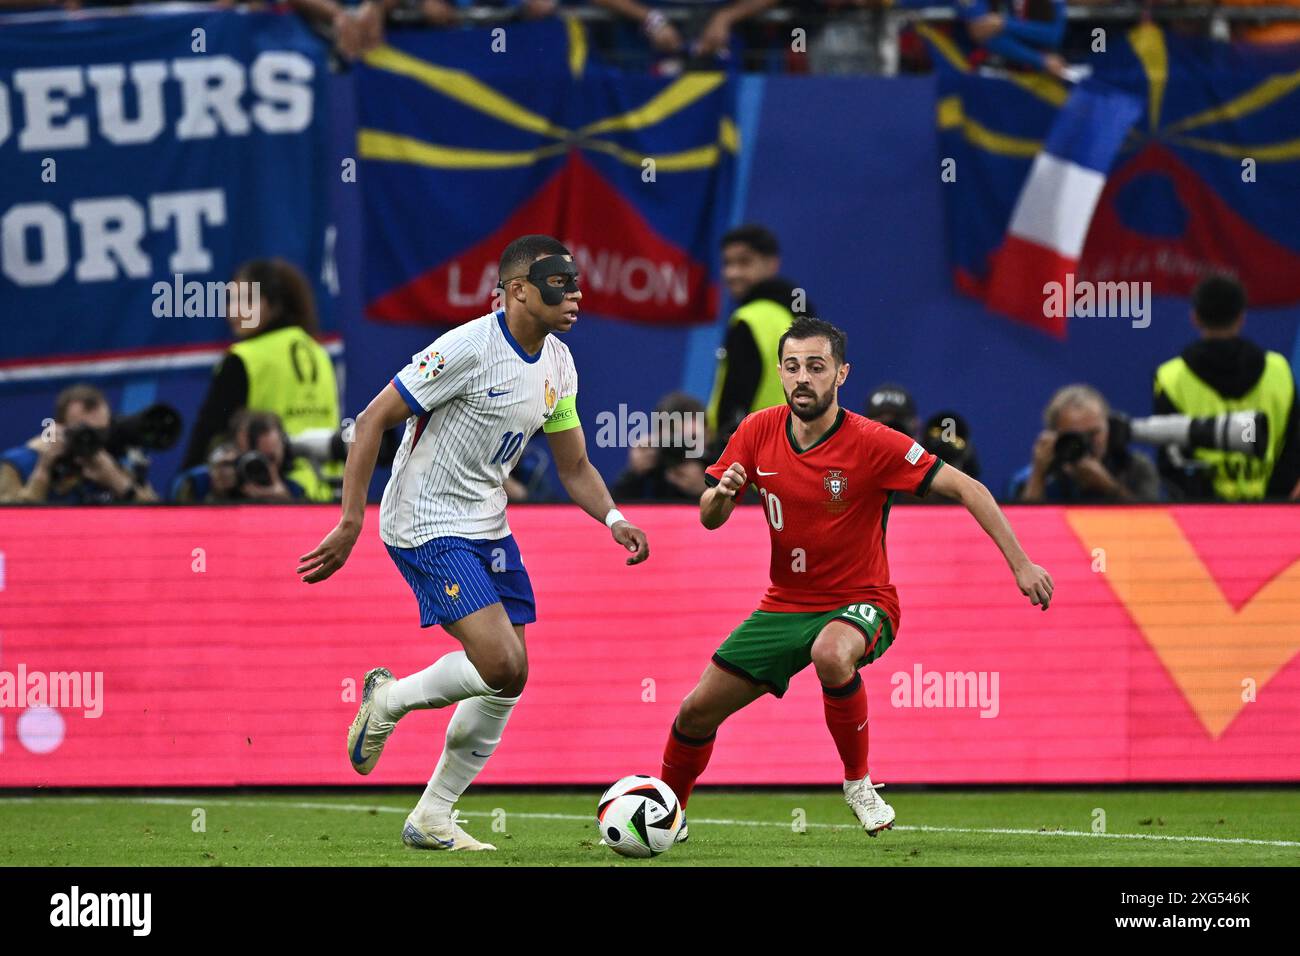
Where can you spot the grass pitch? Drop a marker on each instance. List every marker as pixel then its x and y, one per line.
pixel 728 828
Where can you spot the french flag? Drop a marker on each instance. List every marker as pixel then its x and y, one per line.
pixel 1048 227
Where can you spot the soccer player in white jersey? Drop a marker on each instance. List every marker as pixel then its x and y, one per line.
pixel 471 401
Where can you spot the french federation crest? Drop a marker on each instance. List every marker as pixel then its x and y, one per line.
pixel 835 483
pixel 550 394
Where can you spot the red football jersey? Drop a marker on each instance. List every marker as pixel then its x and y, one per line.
pixel 827 505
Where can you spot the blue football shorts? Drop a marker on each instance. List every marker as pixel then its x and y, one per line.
pixel 454 577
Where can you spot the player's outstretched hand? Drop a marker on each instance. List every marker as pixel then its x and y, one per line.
pixel 1036 584
pixel 733 479
pixel 329 555
pixel 632 538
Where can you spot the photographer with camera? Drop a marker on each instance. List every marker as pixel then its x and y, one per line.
pixel 264 459
pixel 82 458
pixel 251 466
pixel 1223 373
pixel 1074 460
pixel 213 483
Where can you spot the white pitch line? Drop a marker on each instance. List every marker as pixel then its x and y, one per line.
pixel 1112 836
pixel 362 808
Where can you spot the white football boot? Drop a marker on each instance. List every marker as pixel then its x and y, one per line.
pixel 440 836
pixel 369 731
pixel 872 812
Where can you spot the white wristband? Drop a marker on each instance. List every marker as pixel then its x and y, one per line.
pixel 613 518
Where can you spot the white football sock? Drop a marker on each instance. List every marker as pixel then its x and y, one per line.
pixel 472 735
pixel 448 680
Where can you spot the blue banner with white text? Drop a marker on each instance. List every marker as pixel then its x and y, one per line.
pixel 144 158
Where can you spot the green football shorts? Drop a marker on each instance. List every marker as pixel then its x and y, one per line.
pixel 770 647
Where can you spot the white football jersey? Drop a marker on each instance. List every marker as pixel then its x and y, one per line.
pixel 476 398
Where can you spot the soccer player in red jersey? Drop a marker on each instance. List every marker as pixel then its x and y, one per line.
pixel 826 478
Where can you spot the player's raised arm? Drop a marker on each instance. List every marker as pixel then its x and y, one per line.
pixel 585 486
pixel 387 409
pixel 1034 582
pixel 727 477
pixel 717 503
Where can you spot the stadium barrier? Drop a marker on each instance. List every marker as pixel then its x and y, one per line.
pixel 181 650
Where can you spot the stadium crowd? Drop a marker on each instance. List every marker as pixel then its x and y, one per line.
pixel 823 36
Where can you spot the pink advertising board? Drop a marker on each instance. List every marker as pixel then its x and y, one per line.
pixel 1168 655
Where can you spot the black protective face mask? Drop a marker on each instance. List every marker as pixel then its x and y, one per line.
pixel 543 269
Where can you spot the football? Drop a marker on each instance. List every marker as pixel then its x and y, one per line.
pixel 639 816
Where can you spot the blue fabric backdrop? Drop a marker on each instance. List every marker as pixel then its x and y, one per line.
pixel 846 170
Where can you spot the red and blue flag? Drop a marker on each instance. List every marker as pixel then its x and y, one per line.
pixel 1176 157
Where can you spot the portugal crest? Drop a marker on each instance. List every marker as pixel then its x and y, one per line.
pixel 835 483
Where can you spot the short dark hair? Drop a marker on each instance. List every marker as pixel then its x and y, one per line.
pixel 282 287
pixel 1218 300
pixel 526 250
pixel 759 238
pixel 805 327
pixel 81 393
pixel 248 424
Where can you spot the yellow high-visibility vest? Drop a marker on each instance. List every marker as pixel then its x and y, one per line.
pixel 1237 476
pixel 767 321
pixel 290 374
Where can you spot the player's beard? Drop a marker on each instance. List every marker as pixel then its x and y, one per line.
pixel 813 411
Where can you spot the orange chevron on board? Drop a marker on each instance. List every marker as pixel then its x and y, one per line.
pixel 1207 647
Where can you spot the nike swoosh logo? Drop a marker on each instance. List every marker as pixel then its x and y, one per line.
pixel 493 393
pixel 863 724
pixel 477 754
pixel 766 474
pixel 361 739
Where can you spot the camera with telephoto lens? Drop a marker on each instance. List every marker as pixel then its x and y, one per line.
pixel 324 445
pixel 1181 435
pixel 1245 432
pixel 156 428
